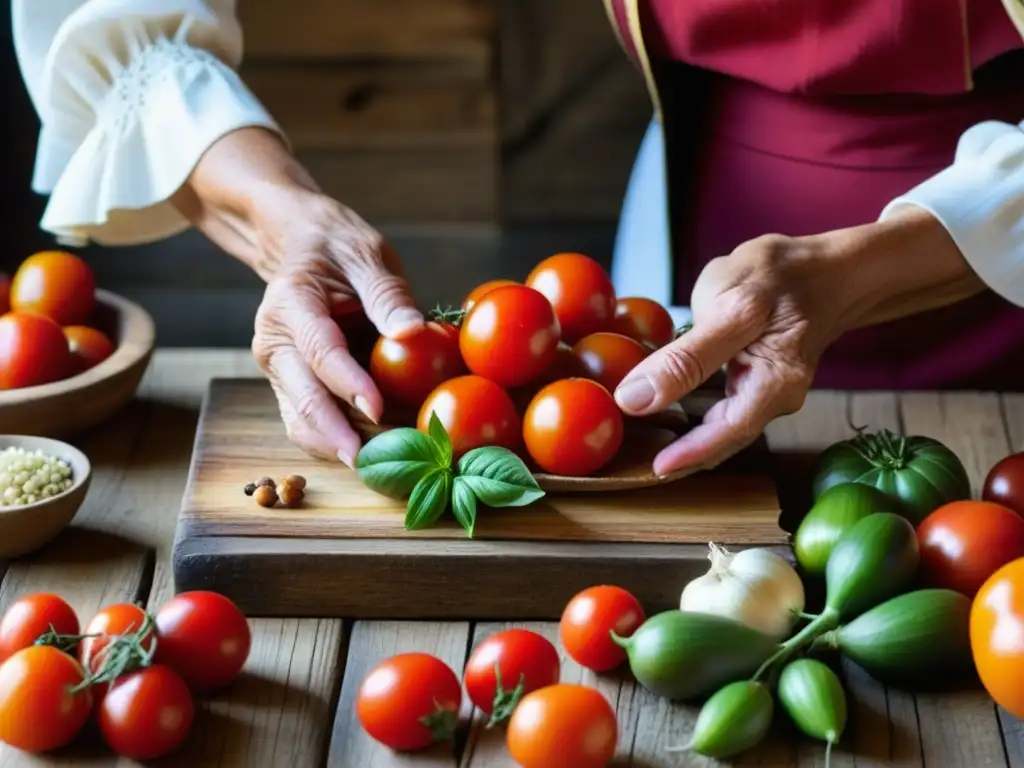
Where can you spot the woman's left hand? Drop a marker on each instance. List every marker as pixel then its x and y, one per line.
pixel 769 310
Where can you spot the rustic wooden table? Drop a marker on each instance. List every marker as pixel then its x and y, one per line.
pixel 294 706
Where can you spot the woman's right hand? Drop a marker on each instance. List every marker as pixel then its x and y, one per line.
pixel 330 261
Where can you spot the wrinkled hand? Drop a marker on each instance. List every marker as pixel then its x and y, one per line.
pixel 330 262
pixel 766 312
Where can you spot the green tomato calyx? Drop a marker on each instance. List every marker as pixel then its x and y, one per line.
pixel 883 449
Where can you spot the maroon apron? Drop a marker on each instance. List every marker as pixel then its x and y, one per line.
pixel 804 116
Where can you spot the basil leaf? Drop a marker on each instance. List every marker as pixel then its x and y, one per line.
pixel 429 499
pixel 394 461
pixel 464 505
pixel 442 443
pixel 499 478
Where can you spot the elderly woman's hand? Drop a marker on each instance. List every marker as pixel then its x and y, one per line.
pixel 321 261
pixel 769 310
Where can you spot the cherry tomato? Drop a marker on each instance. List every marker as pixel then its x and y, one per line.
pixel 997 636
pixel 475 411
pixel 146 714
pixel 572 427
pixel 580 291
pixel 588 620
pixel 480 290
pixel 1005 483
pixel 964 542
pixel 409 701
pixel 114 620
pixel 88 347
pixel 5 294
pixel 509 336
pixel 32 616
pixel 563 725
pixel 33 351
pixel 608 357
pixel 204 638
pixel 39 708
pixel 407 370
pixel 525 662
pixel 56 284
pixel 644 320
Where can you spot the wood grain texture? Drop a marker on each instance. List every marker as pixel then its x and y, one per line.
pixel 68 407
pixel 351 544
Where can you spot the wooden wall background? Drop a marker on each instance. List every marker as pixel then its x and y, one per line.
pixel 480 135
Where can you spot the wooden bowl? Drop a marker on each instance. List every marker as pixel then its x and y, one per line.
pixel 25 529
pixel 70 406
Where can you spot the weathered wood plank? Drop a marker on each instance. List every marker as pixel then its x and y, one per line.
pixel 485 748
pixel 962 727
pixel 411 29
pixel 371 643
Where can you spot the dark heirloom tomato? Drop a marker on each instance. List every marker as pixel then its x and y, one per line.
pixel 88 347
pixel 5 294
pixel 644 320
pixel 608 357
pixel 919 472
pixel 33 351
pixel 580 291
pixel 475 295
pixel 475 411
pixel 573 427
pixel 407 370
pixel 56 284
pixel 509 336
pixel 1005 483
pixel 965 542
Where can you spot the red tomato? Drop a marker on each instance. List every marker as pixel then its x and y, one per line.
pixel 588 620
pixel 475 411
pixel 407 370
pixel 204 638
pixel 480 290
pixel 33 351
pixel 112 621
pixel 1005 483
pixel 88 347
pixel 524 660
pixel 573 427
pixel 580 291
pixel 5 294
pixel 30 617
pixel 608 357
pixel 964 542
pixel 563 725
pixel 409 701
pixel 997 636
pixel 56 284
pixel 644 320
pixel 509 336
pixel 146 714
pixel 39 710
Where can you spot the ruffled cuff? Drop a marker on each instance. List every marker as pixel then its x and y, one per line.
pixel 980 201
pixel 162 112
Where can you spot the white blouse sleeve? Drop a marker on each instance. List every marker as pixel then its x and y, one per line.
pixel 130 95
pixel 980 201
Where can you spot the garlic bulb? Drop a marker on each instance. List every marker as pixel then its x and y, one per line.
pixel 754 586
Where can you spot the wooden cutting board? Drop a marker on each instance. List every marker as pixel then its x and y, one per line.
pixel 345 552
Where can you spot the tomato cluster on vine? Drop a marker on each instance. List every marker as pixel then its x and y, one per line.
pixel 529 366
pixel 135 673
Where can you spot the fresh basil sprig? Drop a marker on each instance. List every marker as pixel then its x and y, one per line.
pixel 405 463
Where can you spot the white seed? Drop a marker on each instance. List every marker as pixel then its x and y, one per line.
pixel 27 477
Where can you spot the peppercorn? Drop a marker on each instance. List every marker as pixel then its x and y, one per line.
pixel 291 495
pixel 298 481
pixel 250 489
pixel 265 496
pixel 265 481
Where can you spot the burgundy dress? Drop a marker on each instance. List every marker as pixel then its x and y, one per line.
pixel 803 116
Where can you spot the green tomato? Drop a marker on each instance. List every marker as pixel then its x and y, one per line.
pixel 920 473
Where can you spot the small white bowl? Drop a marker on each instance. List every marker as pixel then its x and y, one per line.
pixel 26 529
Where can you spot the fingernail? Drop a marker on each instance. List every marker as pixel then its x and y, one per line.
pixel 404 320
pixel 635 394
pixel 363 405
pixel 347 460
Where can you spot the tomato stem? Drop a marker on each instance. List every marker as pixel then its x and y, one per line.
pixel 123 653
pixel 442 723
pixel 451 315
pixel 505 702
